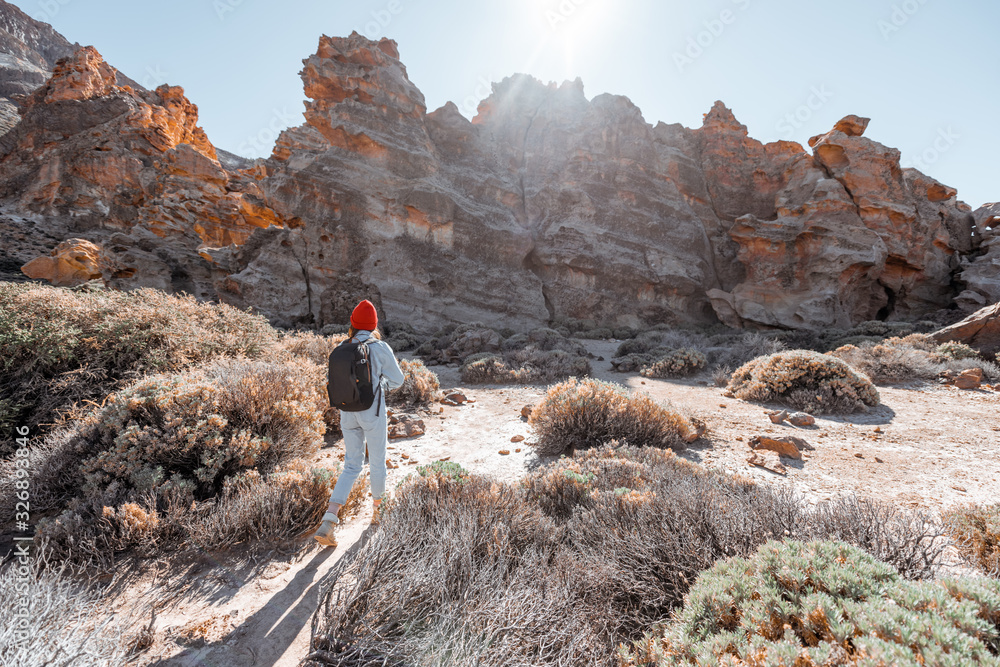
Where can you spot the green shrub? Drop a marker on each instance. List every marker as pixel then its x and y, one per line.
pixel 579 414
pixel 676 363
pixel 420 385
pixel 805 380
pixel 976 531
pixel 825 603
pixel 449 469
pixel 60 348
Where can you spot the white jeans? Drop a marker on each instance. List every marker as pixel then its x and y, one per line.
pixel 359 428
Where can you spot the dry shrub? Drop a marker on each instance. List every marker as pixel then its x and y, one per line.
pixel 721 375
pixel 659 341
pixel 543 355
pixel 66 623
pixel 420 385
pixel 825 603
pixel 402 337
pixel 582 556
pixel 956 351
pixel 309 346
pixel 746 347
pixel 976 531
pixel 816 383
pixel 523 366
pixel 60 347
pixel 676 363
pixel 578 414
pixel 272 509
pixel 169 448
pixel 458 342
pixel 887 363
pixel 909 541
pixel 634 362
pixel 915 357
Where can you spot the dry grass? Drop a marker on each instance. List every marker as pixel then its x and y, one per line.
pixel 586 554
pixel 579 414
pixel 816 383
pixel 976 530
pixel 65 624
pixel 60 348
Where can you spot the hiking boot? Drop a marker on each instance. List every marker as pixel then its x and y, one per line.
pixel 324 534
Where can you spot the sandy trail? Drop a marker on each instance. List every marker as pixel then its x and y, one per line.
pixel 939 446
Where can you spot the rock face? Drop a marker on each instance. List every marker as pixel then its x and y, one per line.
pixel 29 50
pixel 131 170
pixel 982 275
pixel 546 205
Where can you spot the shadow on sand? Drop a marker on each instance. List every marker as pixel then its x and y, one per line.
pixel 264 637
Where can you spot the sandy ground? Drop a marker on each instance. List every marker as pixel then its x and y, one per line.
pixel 938 447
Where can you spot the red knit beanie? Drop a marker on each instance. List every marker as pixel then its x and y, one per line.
pixel 364 317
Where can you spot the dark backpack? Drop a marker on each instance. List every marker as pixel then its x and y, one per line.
pixel 349 378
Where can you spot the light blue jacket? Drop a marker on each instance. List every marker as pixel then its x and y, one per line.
pixel 385 369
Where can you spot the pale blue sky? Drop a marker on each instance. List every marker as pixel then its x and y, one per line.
pixel 925 71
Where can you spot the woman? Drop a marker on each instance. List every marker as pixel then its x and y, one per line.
pixel 367 427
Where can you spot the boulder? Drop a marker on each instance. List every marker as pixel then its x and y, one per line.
pixel 72 262
pixel 801 419
pixel 980 330
pixel 768 461
pixel 787 446
pixel 406 427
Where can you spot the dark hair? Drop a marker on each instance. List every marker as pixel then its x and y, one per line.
pixel 352 332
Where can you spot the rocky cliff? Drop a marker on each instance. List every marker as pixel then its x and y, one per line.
pixel 545 205
pixel 130 169
pixel 551 205
pixel 28 51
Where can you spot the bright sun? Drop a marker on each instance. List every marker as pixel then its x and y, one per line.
pixel 567 26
